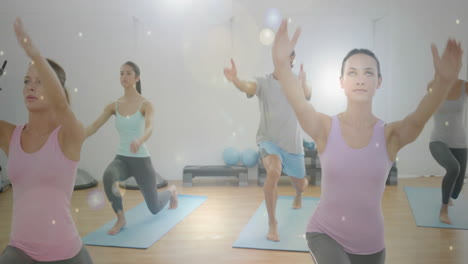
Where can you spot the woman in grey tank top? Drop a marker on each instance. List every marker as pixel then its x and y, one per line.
pixel 448 145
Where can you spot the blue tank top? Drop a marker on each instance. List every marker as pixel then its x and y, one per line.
pixel 130 127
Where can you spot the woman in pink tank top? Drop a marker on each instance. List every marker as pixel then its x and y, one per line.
pixel 357 149
pixel 43 156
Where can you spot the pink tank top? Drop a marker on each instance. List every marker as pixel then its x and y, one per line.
pixel 353 183
pixel 42 225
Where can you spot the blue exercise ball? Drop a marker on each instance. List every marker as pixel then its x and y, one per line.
pixel 250 157
pixel 231 156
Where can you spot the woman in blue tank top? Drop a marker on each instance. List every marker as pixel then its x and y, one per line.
pixel 134 115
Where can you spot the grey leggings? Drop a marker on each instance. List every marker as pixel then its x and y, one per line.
pixel 122 168
pixel 325 250
pixel 454 162
pixel 12 255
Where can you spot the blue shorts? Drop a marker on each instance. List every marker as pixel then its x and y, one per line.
pixel 293 164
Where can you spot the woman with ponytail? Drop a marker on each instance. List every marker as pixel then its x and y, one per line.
pixel 134 115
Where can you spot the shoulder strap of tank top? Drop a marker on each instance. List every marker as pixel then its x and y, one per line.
pixel 335 124
pixel 56 130
pixel 15 141
pixel 18 129
pixel 335 131
pixel 53 139
pixel 380 126
pixel 380 122
pixel 16 136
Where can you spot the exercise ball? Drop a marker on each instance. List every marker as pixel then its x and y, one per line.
pixel 231 156
pixel 250 157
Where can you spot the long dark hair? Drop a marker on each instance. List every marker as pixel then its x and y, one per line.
pixel 361 51
pixel 136 69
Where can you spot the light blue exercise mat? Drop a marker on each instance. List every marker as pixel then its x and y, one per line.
pixel 425 204
pixel 292 225
pixel 144 228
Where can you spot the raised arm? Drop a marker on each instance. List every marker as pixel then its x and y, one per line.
pixel 447 68
pixel 315 124
pixel 247 87
pixel 53 90
pixel 109 110
pixel 72 129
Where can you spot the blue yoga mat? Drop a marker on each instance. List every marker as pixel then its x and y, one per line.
pixel 144 228
pixel 292 225
pixel 425 204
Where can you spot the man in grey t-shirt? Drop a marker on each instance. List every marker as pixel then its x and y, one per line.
pixel 279 137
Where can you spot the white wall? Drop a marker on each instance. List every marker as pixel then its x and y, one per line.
pixel 182 60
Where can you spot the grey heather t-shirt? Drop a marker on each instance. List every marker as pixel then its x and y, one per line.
pixel 278 122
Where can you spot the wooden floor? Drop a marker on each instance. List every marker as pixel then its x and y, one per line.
pixel 206 236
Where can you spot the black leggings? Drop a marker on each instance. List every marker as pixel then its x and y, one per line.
pixel 454 162
pixel 325 250
pixel 121 168
pixel 12 255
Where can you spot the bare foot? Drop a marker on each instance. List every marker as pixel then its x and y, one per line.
pixel 174 199
pixel 443 217
pixel 117 227
pixel 273 233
